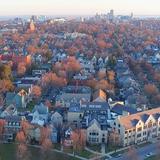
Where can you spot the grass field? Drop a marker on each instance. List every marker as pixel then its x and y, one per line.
pixel 8 152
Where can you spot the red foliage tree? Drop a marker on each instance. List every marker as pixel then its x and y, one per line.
pixel 36 91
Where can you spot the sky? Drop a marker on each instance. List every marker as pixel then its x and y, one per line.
pixel 78 7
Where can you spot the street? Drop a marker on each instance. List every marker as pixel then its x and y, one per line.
pixel 141 152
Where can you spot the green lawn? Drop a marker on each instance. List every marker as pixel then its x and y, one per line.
pixel 8 152
pixel 96 148
pixel 110 148
pixel 85 154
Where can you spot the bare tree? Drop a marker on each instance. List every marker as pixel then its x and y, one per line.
pixel 132 154
pixel 114 139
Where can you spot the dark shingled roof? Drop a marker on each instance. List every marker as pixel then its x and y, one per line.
pixel 119 109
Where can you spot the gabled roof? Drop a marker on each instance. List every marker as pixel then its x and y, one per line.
pixel 94 121
pixel 13 98
pixel 99 94
pixel 94 106
pixel 119 109
pixel 129 121
pixel 144 117
pixel 41 109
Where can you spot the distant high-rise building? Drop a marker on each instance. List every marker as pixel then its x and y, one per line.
pixel 112 12
pixel 32 26
pixel 111 15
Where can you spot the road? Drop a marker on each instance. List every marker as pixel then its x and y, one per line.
pixel 141 152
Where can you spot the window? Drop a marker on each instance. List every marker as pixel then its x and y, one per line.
pixel 94 139
pixel 119 131
pixel 154 130
pixel 138 135
pixel 126 132
pixel 145 127
pixel 150 124
pixel 154 124
pixel 144 133
pixel 114 123
pixel 94 134
pixel 119 125
pixel 139 129
pixel 130 131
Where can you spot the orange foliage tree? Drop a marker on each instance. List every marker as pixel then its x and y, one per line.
pixel 78 138
pixel 51 79
pixel 36 91
pixel 21 69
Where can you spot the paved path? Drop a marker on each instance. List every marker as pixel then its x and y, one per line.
pixel 141 152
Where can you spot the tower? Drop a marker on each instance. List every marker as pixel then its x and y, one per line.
pixel 32 26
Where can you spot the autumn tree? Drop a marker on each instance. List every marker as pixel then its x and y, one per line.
pixel 1 101
pixel 21 69
pixel 132 154
pixel 101 44
pixel 150 89
pixel 114 139
pixel 78 138
pixel 36 91
pixel 26 126
pixel 72 65
pixel 51 79
pixel 104 85
pixel 91 83
pixel 72 51
pixel 101 74
pixel 111 75
pixel 31 49
pixel 6 85
pixel 21 147
pixel 5 72
pixel 45 141
pixel 2 124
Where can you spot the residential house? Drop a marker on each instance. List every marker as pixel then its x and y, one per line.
pixel 55 135
pixel 96 134
pixel 19 100
pixel 11 110
pixel 75 114
pixel 73 94
pixel 57 118
pixel 140 127
pixel 40 114
pixel 12 126
pixel 99 96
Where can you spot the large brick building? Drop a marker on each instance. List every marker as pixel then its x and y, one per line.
pixel 139 127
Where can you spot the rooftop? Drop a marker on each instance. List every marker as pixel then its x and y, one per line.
pixel 131 120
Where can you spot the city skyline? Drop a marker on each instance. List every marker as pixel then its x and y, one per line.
pixel 74 7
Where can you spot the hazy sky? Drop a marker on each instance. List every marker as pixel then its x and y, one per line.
pixel 78 7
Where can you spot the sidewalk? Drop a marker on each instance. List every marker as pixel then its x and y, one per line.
pixel 101 155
